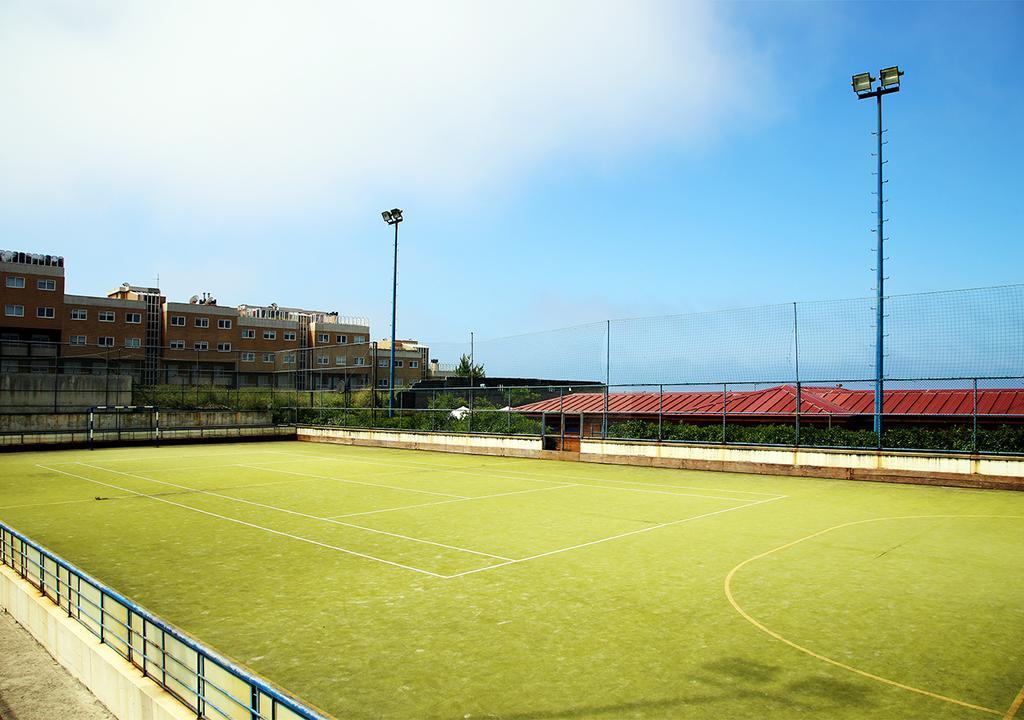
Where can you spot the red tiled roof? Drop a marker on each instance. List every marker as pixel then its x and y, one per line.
pixel 781 400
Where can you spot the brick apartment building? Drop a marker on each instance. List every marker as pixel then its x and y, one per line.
pixel 137 331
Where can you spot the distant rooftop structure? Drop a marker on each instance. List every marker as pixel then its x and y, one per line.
pixel 24 258
pixel 277 312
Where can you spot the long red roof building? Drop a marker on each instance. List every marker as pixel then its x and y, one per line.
pixel 775 404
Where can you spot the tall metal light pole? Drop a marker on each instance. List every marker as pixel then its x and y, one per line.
pixel 863 85
pixel 393 217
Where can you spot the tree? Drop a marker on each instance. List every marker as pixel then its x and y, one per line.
pixel 466 368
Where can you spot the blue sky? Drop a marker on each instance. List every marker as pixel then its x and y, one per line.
pixel 557 165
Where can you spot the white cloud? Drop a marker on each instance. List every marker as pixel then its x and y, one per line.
pixel 266 107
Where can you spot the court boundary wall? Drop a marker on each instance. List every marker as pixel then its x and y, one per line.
pixel 114 681
pixel 919 468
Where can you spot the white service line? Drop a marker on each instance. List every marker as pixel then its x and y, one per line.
pixel 355 482
pixel 613 537
pixel 532 477
pixel 459 500
pixel 297 513
pixel 247 524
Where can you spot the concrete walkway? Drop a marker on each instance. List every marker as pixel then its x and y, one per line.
pixel 34 687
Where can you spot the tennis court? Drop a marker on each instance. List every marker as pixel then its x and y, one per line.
pixel 380 583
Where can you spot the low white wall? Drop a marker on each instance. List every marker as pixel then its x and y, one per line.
pixel 447 442
pixel 858 463
pixel 114 681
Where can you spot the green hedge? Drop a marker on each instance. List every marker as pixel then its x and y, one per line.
pixel 1004 438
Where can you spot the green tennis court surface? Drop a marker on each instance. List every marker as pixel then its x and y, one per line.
pixel 383 583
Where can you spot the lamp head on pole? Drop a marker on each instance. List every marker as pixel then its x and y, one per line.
pixel 890 77
pixel 863 83
pixel 392 216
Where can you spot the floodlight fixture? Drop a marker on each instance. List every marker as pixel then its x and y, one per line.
pixel 387 217
pixel 890 76
pixel 862 83
pixel 396 214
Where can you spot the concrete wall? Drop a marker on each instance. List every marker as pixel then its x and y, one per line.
pixel 508 445
pixel 984 471
pixel 21 391
pixel 177 425
pixel 114 681
pixel 885 466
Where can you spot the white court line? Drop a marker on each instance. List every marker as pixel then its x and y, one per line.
pixel 297 513
pixel 540 478
pixel 613 537
pixel 355 482
pixel 248 524
pixel 175 457
pixel 459 500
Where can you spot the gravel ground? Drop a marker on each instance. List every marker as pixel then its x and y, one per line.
pixel 34 687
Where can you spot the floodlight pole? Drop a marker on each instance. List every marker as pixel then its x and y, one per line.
pixel 394 303
pixel 879 268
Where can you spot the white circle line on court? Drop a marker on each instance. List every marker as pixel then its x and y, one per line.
pixel 818 656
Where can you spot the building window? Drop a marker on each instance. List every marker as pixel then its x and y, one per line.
pixel 106 315
pixel 360 361
pixel 224 324
pixel 132 342
pixel 360 338
pixel 202 322
pixel 340 360
pixel 201 345
pixel 79 313
pixel 289 359
pixel 78 340
pixel 248 334
pixel 105 341
pixel 46 284
pixel 342 339
pixel 398 363
pixel 14 310
pixel 414 364
pixel 223 347
pixel 133 318
pixel 382 383
pixel 178 320
pixel 248 357
pixel 270 335
pixel 289 335
pixel 44 312
pixel 268 357
pixel 177 345
pixel 15 282
pixel 382 362
pixel 323 338
pixel 322 360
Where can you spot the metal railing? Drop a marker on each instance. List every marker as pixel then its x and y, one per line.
pixel 206 682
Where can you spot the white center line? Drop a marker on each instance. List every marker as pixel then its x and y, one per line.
pixel 613 537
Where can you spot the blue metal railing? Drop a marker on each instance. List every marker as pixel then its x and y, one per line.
pixel 204 681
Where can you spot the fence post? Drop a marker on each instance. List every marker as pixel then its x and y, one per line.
pixel 798 404
pixel 509 411
pixel 725 410
pixel 470 409
pixel 661 412
pixel 974 416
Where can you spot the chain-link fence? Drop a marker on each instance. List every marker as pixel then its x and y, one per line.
pixel 791 374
